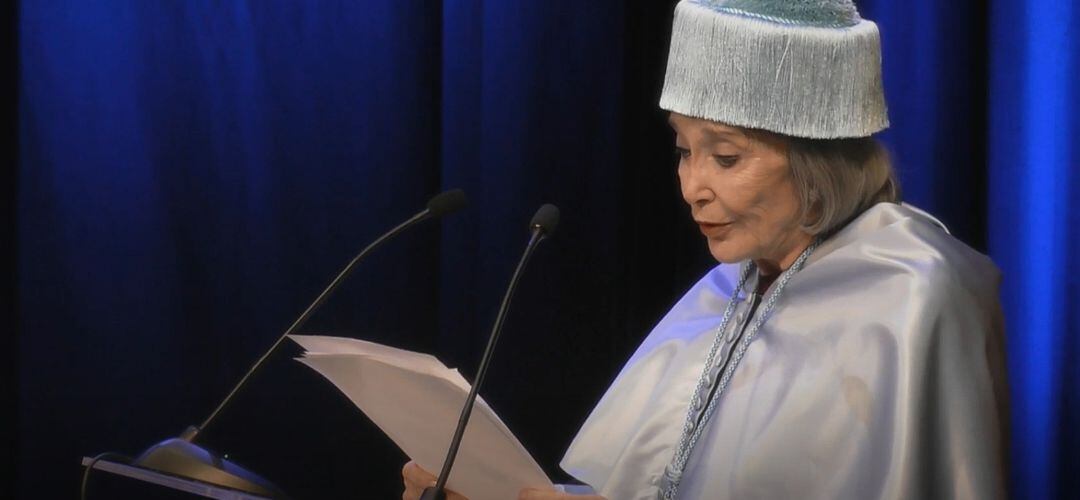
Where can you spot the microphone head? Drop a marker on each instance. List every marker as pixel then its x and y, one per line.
pixel 546 219
pixel 447 202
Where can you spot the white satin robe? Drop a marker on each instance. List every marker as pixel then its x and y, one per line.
pixel 880 374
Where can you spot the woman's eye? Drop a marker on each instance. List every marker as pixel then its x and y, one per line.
pixel 681 152
pixel 726 161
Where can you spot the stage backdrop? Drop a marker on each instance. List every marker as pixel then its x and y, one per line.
pixel 192 173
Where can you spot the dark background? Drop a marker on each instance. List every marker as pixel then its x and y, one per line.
pixel 191 174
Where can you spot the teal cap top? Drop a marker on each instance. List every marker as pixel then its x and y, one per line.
pixel 816 13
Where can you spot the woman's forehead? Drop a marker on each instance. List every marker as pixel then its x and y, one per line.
pixel 709 130
pixel 678 121
pixel 686 124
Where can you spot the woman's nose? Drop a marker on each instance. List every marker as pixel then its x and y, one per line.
pixel 695 190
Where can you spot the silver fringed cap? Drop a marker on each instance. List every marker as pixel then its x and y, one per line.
pixel 803 68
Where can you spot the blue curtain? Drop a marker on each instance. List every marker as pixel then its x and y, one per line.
pixel 1034 167
pixel 192 173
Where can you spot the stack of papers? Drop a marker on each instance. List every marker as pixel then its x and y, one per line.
pixel 416 400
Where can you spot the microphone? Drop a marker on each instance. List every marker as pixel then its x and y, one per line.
pixel 543 224
pixel 180 456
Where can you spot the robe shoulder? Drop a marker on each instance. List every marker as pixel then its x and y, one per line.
pixel 896 259
pixel 889 339
pixel 898 266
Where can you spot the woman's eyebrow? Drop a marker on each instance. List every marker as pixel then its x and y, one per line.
pixel 730 136
pixel 722 134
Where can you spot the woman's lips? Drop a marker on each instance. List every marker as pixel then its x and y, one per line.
pixel 713 229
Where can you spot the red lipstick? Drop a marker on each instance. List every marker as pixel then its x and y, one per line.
pixel 713 229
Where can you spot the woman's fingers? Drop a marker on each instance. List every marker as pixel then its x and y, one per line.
pixel 411 493
pixel 415 475
pixel 534 494
pixel 417 480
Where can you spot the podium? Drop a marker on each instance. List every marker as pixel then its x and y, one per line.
pixel 168 481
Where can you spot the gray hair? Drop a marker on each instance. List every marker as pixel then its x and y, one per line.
pixel 838 179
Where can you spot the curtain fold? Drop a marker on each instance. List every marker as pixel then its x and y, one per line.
pixel 1035 232
pixel 192 174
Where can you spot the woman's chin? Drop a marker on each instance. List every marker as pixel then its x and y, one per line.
pixel 725 253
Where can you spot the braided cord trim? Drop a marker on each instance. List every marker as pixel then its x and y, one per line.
pixel 674 471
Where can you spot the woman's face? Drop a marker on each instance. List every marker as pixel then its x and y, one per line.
pixel 740 192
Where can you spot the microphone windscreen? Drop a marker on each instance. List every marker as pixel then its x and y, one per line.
pixel 546 218
pixel 447 202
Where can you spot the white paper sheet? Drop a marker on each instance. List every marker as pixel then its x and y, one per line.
pixel 416 401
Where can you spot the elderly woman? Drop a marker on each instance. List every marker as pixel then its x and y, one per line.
pixel 846 346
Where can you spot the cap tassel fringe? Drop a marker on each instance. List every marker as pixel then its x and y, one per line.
pixel 802 81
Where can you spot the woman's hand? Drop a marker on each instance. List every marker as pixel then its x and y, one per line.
pixel 417 480
pixel 531 494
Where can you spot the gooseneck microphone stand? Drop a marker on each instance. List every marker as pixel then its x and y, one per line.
pixel 180 456
pixel 543 224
